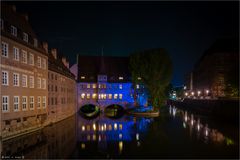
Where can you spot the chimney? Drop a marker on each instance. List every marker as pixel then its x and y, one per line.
pixel 54 52
pixel 67 64
pixel 45 46
pixel 25 16
pixel 64 60
pixel 14 8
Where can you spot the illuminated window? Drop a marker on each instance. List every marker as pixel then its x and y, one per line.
pixel 137 86
pixel 110 96
pixel 120 126
pixel 44 101
pixel 83 95
pixel 82 77
pixel 115 96
pixel 88 96
pixel 120 96
pixel 120 86
pixel 120 78
pixel 88 85
pixel 104 96
pixel 139 78
pixel 5 103
pixel 109 127
pixel 94 96
pixel 94 85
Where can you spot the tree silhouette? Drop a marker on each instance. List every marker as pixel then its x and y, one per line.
pixel 154 67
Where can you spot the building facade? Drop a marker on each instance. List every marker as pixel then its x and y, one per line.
pixel 24 71
pixel 61 88
pixel 103 80
pixel 209 75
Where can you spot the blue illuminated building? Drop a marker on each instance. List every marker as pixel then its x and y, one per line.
pixel 105 80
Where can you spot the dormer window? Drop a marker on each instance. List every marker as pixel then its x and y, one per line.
pixel 2 23
pixel 35 42
pixel 25 37
pixel 14 31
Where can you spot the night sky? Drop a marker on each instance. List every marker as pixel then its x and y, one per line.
pixel 185 29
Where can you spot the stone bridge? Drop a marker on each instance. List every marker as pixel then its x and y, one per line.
pixel 104 103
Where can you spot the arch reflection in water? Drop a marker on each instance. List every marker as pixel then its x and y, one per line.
pixel 203 131
pixel 111 133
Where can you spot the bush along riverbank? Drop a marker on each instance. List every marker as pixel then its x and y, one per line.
pixel 227 110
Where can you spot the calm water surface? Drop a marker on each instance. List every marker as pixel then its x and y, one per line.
pixel 175 134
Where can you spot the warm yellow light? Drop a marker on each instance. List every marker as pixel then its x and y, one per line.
pixel 83 146
pixel 115 126
pixel 94 127
pixel 186 94
pixel 83 128
pixel 120 144
pixel 192 93
pixel 82 77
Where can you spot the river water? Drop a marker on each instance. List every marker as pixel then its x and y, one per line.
pixel 174 134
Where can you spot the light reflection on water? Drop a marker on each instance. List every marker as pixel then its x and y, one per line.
pixel 189 122
pixel 126 137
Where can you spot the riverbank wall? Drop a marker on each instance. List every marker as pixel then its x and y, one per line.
pixel 28 130
pixel 227 110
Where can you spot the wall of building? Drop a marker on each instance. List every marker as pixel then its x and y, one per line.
pixel 30 82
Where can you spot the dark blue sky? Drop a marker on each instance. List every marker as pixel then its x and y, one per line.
pixel 185 29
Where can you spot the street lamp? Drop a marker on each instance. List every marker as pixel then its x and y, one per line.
pixel 186 94
pixel 199 92
pixel 192 93
pixel 207 91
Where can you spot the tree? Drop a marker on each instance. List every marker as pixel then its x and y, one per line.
pixel 232 81
pixel 153 69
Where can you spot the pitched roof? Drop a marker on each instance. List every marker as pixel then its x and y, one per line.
pixel 113 67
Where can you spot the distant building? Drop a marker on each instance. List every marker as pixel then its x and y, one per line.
pixel 24 71
pixel 209 73
pixel 61 88
pixel 103 80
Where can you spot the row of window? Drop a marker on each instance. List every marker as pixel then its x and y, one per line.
pixel 26 103
pixel 41 82
pixel 25 57
pixel 100 86
pixel 54 101
pixel 14 31
pixel 101 96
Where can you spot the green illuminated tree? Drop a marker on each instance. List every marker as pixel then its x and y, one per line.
pixel 154 67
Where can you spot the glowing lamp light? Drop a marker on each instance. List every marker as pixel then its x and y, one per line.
pixel 199 92
pixel 192 93
pixel 94 127
pixel 198 127
pixel 115 126
pixel 82 77
pixel 186 94
pixel 137 136
pixel 120 136
pixel 120 144
pixel 207 91
pixel 83 128
pixel 83 146
pixel 139 78
pixel 206 132
pixel 120 78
